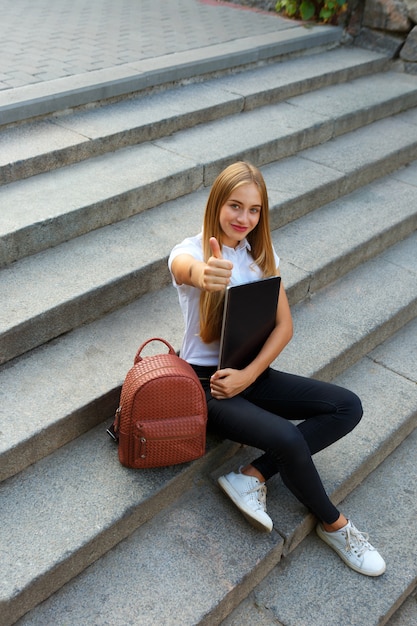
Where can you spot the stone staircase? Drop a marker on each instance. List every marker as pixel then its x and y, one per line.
pixel 93 199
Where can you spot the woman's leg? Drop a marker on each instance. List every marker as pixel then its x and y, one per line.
pixel 240 420
pixel 328 412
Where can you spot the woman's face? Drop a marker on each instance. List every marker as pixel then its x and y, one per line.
pixel 240 214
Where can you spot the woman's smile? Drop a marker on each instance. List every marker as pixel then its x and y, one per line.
pixel 239 229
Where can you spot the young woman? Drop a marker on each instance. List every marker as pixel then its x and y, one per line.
pixel 255 405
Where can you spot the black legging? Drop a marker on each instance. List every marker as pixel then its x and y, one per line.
pixel 259 417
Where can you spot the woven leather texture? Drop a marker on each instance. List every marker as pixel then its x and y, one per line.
pixel 163 413
pixel 156 442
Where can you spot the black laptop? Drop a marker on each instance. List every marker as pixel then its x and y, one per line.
pixel 248 319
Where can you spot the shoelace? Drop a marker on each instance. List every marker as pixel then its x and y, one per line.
pixel 261 494
pixel 357 541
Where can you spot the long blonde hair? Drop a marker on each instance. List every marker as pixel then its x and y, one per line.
pixel 235 175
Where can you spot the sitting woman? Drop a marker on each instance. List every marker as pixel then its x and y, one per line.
pixel 256 405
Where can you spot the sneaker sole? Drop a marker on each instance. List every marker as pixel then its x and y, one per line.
pixel 345 559
pixel 246 512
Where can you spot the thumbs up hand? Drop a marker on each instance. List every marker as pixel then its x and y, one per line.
pixel 218 271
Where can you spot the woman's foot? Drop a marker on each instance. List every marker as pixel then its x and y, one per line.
pixel 354 549
pixel 249 495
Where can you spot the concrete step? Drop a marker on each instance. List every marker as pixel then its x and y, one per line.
pixel 406 615
pixel 51 293
pixel 68 137
pixel 42 217
pixel 385 505
pixel 57 206
pixel 285 40
pixel 354 314
pixel 193 534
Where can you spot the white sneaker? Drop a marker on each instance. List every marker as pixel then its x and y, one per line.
pixel 249 495
pixel 353 547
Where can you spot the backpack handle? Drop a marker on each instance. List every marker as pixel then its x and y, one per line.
pixel 168 345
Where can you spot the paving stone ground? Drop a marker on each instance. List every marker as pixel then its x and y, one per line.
pixel 44 40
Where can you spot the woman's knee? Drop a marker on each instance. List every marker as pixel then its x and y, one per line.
pixel 289 448
pixel 355 408
pixel 350 410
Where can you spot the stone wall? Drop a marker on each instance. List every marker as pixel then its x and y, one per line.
pixel 386 25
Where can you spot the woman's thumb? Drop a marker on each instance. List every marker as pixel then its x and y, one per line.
pixel 215 248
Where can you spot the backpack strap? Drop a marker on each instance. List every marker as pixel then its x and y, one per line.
pixel 168 345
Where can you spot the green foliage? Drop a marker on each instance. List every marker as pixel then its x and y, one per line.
pixel 326 11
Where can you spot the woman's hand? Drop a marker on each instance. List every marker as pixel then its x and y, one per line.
pixel 228 382
pixel 217 271
pixel 211 276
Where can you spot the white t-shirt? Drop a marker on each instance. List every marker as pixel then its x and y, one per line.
pixel 244 270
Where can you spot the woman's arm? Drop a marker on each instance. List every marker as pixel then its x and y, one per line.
pixel 229 382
